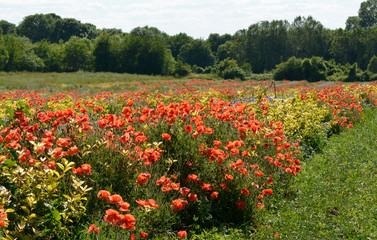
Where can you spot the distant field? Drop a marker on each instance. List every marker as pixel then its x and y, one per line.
pixel 79 80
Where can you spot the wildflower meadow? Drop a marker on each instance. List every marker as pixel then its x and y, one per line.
pixel 166 160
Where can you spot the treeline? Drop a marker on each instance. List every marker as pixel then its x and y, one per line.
pixel 48 42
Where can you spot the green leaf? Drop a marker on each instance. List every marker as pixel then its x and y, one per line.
pixel 56 215
pixel 67 197
pixel 10 163
pixel 60 166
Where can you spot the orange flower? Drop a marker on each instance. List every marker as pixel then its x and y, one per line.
pixel 166 136
pixel 143 234
pixel 178 204
pixel 192 197
pixel 142 178
pixel 51 165
pixel 267 191
pixel 184 191
pixel 127 221
pixel 205 186
pixel 86 168
pixel 193 178
pixel 103 194
pixel 228 177
pixel 270 180
pixel 217 143
pixel 215 194
pixel 124 206
pixel 77 170
pixel 93 228
pixel 244 191
pixel 142 203
pixel 260 205
pixel 188 128
pixel 115 199
pixel 152 203
pixel 259 173
pixel 234 151
pixel 182 234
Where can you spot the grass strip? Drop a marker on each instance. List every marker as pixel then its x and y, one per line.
pixel 336 193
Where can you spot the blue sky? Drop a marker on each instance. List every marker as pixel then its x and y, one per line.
pixel 197 18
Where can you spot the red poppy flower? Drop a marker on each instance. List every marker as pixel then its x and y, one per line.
pixel 93 228
pixel 86 168
pixel 188 128
pixel 270 180
pixel 244 191
pixel 240 205
pixel 142 178
pixel 267 191
pixel 124 206
pixel 143 234
pixel 215 194
pixel 115 199
pixel 166 136
pixel 51 165
pixel 184 191
pixel 103 194
pixel 192 197
pixel 228 177
pixel 182 234
pixel 178 204
pixel 193 178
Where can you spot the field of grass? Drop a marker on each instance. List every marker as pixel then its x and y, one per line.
pixel 84 81
pixel 113 156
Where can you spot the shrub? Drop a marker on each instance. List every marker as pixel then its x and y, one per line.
pixel 229 69
pixel 182 69
pixel 372 66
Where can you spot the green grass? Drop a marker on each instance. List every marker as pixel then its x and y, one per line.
pixel 336 193
pixel 84 81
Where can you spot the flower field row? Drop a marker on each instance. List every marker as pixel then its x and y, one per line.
pixel 151 163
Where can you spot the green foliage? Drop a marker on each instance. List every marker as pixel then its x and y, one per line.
pixel 197 53
pixel 7 27
pixel 4 56
pixel 368 13
pixel 372 66
pixel 21 56
pixel 351 73
pixel 181 69
pixel 229 69
pixel 77 54
pixel 290 70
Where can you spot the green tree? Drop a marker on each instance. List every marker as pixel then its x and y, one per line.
pixel 352 23
pixel 215 40
pixel 4 56
pixel 372 66
pixel 368 13
pixel 266 44
pixel 8 28
pixel 21 55
pixel 145 55
pixel 38 26
pixel 307 38
pixel 77 54
pixel 197 52
pixel 177 41
pixel 101 53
